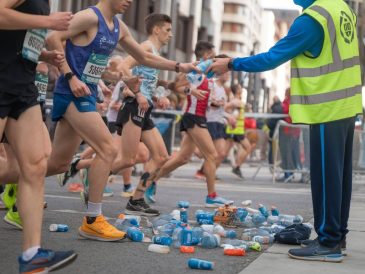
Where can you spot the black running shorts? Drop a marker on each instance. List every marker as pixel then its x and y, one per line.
pixel 190 120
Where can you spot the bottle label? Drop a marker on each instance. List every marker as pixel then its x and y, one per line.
pixel 94 68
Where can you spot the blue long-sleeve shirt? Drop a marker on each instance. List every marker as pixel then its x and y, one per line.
pixel 305 35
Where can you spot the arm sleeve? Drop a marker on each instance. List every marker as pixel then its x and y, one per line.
pixel 304 35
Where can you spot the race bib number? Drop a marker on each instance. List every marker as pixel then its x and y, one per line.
pixel 94 68
pixel 41 82
pixel 33 44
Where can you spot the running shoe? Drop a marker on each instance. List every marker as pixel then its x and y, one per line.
pixel 217 202
pixel 108 192
pixel 9 195
pixel 97 228
pixel 12 218
pixel 128 191
pixel 45 261
pixel 343 244
pixel 64 177
pixel 237 171
pixel 140 207
pixel 317 252
pixel 150 193
pixel 75 187
pixel 199 175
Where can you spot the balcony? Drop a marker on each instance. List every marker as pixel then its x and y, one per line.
pixel 236 18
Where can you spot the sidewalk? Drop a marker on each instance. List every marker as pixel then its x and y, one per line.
pixel 276 261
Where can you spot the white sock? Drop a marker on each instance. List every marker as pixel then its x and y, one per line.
pixel 30 252
pixel 93 209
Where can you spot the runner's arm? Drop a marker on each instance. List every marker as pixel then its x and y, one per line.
pixel 131 62
pixel 146 58
pixel 81 23
pixel 11 19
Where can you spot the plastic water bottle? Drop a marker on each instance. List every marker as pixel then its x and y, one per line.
pixel 158 248
pixel 184 215
pixel 247 203
pixel 210 240
pixel 196 79
pixel 274 211
pixel 230 234
pixel 161 92
pixel 287 220
pixel 177 237
pixel 263 210
pixel 248 234
pixel 218 229
pixel 124 224
pixel 135 234
pixel 263 239
pixel 241 214
pixel 161 220
pixel 175 214
pixel 194 263
pixel 248 222
pixel 273 219
pixel 186 236
pixel 208 228
pixel 204 217
pixel 58 228
pixel 166 229
pixel 258 219
pixel 162 240
pixel 235 243
pixel 197 235
pixel 183 204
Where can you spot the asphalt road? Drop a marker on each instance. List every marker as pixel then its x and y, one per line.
pixel 129 257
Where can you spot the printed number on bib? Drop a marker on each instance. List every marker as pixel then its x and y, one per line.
pixel 41 82
pixel 33 44
pixel 94 68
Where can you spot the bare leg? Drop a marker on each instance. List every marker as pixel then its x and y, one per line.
pixel 243 153
pixel 32 156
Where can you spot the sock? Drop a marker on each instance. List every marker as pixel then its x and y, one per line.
pixel 127 186
pixel 212 195
pixel 30 252
pixel 93 209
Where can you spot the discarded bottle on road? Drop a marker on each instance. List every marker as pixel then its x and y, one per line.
pixel 274 211
pixel 124 224
pixel 183 204
pixel 273 219
pixel 177 237
pixel 194 263
pixel 241 214
pixel 287 220
pixel 166 229
pixel 161 220
pixel 263 210
pixel 273 229
pixel 264 240
pixel 162 240
pixel 187 249
pixel 248 234
pixel 197 235
pixel 186 236
pixel 175 214
pixel 135 234
pixel 210 240
pixel 158 248
pixel 208 228
pixel 247 203
pixel 184 215
pixel 234 251
pixel 235 243
pixel 58 228
pixel 204 217
pixel 258 219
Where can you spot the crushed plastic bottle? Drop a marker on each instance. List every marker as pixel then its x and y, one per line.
pixel 264 240
pixel 273 219
pixel 204 217
pixel 124 224
pixel 258 219
pixel 287 220
pixel 158 248
pixel 197 235
pixel 263 210
pixel 166 229
pixel 162 240
pixel 210 240
pixel 184 215
pixel 135 234
pixel 248 234
pixel 241 214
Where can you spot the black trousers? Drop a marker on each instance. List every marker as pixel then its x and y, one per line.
pixel 331 176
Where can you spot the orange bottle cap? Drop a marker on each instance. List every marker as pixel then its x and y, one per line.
pixel 187 249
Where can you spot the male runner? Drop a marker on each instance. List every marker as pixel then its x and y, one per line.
pixel 194 127
pixel 23 27
pixel 91 38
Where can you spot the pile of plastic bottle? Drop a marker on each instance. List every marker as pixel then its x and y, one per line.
pixel 174 230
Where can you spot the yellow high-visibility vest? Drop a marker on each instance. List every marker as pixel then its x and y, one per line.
pixel 328 88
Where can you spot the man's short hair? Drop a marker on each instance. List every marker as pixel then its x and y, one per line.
pixel 202 47
pixel 156 19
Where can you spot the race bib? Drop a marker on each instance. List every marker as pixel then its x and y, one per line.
pixel 94 68
pixel 33 44
pixel 41 82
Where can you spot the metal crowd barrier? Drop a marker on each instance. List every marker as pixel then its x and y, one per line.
pixel 358 153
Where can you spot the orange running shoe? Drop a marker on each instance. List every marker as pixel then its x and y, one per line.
pixel 100 230
pixel 199 175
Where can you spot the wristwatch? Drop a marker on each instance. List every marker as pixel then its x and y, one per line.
pixel 69 75
pixel 187 91
pixel 230 64
pixel 177 67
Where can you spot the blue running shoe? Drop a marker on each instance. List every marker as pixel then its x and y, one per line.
pixel 217 202
pixel 108 192
pixel 46 260
pixel 150 193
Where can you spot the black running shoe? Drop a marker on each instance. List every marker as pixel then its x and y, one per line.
pixel 64 177
pixel 237 171
pixel 140 207
pixel 317 252
pixel 308 242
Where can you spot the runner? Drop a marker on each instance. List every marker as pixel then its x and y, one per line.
pixel 134 116
pixel 23 27
pixel 194 128
pixel 92 36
